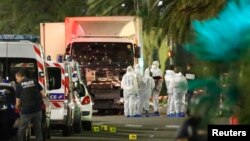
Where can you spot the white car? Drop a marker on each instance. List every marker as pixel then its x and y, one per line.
pixel 86 106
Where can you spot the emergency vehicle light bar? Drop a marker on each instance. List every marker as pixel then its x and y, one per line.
pixel 17 38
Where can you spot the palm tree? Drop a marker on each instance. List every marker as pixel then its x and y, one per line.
pixel 24 17
pixel 170 19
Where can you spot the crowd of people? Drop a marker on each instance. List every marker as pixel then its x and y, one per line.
pixel 139 88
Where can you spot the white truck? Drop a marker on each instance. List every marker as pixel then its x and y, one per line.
pixel 104 48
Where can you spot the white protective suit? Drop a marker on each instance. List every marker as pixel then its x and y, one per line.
pixel 138 76
pixel 157 75
pixel 168 81
pixel 146 87
pixel 180 87
pixel 130 89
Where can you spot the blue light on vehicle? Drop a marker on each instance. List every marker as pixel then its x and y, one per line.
pixel 60 58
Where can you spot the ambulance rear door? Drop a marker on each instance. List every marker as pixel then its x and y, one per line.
pixel 56 89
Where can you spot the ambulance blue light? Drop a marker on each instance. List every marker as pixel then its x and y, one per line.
pixel 17 38
pixel 60 59
pixel 6 80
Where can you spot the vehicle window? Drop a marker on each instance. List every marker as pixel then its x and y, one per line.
pixel 54 77
pixel 10 66
pixel 28 66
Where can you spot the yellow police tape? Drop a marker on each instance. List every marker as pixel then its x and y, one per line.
pixel 132 136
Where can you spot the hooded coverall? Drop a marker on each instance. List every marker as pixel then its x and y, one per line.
pixel 130 89
pixel 146 87
pixel 180 88
pixel 157 75
pixel 168 80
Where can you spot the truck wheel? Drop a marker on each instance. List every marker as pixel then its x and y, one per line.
pixel 86 125
pixel 67 130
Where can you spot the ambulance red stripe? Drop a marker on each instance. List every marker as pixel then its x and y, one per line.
pixel 37 51
pixel 40 66
pixel 56 104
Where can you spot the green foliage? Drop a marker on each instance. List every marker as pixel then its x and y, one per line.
pixel 24 17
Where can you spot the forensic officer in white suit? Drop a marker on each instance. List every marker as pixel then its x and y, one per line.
pixel 138 76
pixel 180 87
pixel 168 81
pixel 157 76
pixel 146 87
pixel 130 90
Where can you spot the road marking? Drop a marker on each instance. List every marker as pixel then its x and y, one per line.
pixel 133 125
pixel 172 126
pixel 98 124
pixel 151 136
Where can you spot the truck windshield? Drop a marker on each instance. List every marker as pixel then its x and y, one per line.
pixel 9 67
pixel 104 55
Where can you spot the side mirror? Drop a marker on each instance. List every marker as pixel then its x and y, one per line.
pixel 137 52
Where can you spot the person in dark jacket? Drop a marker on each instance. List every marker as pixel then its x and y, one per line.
pixel 194 128
pixel 28 101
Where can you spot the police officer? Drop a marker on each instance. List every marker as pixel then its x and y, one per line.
pixel 28 101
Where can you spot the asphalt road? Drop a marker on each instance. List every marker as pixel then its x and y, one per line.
pixel 120 128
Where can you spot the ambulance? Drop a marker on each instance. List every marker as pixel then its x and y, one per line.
pixel 71 103
pixel 21 52
pixel 65 104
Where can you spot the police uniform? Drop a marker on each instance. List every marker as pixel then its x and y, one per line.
pixel 28 91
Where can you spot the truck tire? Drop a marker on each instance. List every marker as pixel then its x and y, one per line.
pixel 87 125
